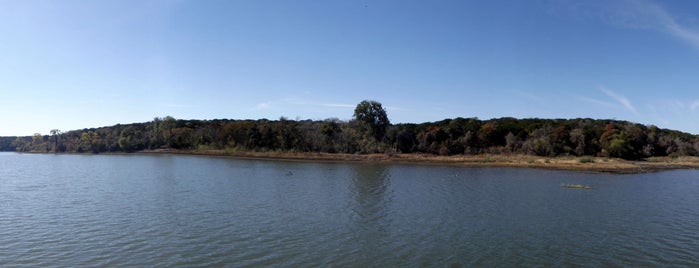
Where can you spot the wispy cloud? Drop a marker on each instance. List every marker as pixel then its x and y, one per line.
pixel 596 101
pixel 295 102
pixel 617 101
pixel 352 106
pixel 643 14
pixel 278 103
pixel 532 97
pixel 673 114
pixel 675 107
pixel 175 105
pixel 620 99
pixel 633 14
pixel 660 19
pixel 695 105
pixel 263 105
pixel 396 108
pixel 688 35
pixel 337 105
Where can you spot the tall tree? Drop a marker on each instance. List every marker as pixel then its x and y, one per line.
pixel 55 133
pixel 373 118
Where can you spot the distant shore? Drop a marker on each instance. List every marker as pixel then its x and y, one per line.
pixel 582 164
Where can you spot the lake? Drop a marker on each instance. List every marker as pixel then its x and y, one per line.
pixel 190 211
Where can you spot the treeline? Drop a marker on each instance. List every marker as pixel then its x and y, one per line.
pixel 542 137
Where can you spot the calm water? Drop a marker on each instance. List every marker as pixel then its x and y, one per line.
pixel 169 211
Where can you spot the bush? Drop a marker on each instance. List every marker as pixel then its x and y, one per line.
pixel 587 159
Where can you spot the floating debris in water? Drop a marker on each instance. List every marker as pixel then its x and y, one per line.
pixel 576 186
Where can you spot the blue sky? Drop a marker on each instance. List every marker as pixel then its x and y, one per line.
pixel 80 64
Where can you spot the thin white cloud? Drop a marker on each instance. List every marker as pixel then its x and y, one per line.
pixel 278 103
pixel 620 99
pixel 688 35
pixel 596 101
pixel 175 105
pixel 695 105
pixel 263 105
pixel 532 97
pixel 352 106
pixel 673 114
pixel 677 108
pixel 337 105
pixel 396 108
pixel 662 20
pixel 294 102
pixel 631 14
pixel 674 108
pixel 644 14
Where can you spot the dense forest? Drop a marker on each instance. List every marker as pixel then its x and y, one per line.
pixel 371 132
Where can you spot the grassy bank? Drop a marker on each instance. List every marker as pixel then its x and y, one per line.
pixel 584 164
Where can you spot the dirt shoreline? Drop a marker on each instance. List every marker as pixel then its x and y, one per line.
pixel 581 164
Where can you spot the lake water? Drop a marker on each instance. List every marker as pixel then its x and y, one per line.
pixel 187 211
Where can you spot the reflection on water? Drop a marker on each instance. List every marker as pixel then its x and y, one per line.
pixel 137 210
pixel 370 206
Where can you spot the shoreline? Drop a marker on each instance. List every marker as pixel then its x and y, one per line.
pixel 585 164
pixel 570 163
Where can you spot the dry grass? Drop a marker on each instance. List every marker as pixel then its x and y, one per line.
pixel 586 163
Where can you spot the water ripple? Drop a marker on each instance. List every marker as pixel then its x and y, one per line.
pixel 178 211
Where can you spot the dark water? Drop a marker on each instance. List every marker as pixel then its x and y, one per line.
pixel 170 211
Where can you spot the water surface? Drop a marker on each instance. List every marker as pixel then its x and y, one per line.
pixel 187 211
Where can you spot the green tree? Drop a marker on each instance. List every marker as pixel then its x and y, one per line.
pixel 182 138
pixel 372 118
pixel 85 141
pixel 156 139
pixel 539 142
pixel 37 138
pixel 131 139
pixel 166 125
pixel 20 144
pixel 618 146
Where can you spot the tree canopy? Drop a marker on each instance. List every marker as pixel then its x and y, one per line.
pixel 371 132
pixel 373 118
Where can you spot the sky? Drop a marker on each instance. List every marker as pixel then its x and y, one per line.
pixel 80 64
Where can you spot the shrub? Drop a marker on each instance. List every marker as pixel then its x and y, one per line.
pixel 587 159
